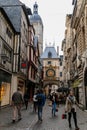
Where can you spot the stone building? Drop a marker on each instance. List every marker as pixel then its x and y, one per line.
pixel 66 47
pixel 79 24
pixel 78 51
pixel 36 21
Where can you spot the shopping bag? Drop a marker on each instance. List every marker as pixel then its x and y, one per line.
pixel 64 116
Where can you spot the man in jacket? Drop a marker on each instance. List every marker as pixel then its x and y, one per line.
pixel 17 101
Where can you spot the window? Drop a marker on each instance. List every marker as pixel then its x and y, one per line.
pixel 8 32
pixel 60 63
pixel 49 54
pixel 60 74
pixel 49 62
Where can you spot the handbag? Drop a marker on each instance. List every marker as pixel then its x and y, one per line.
pixel 64 116
pixel 56 109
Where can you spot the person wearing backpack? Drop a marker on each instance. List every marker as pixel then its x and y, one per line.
pixel 70 107
pixel 40 103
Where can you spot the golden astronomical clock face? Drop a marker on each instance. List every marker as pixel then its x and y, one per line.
pixel 50 73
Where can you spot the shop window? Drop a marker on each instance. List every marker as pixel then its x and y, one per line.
pixel 5 94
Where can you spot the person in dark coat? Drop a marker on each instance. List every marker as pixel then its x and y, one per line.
pixel 40 103
pixel 26 99
pixel 35 102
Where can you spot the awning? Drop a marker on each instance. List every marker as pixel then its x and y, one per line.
pixel 75 84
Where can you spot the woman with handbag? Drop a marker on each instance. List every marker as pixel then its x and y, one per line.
pixel 71 109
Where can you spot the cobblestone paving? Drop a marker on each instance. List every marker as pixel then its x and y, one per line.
pixel 30 121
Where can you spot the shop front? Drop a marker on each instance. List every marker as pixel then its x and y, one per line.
pixel 30 89
pixel 5 88
pixel 75 85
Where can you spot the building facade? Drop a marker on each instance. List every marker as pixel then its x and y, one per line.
pixel 17 47
pixel 33 62
pixel 7 36
pixel 78 51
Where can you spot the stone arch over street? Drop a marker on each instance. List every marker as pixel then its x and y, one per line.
pixel 50 86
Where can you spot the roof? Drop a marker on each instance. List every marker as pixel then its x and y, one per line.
pixel 6 17
pixel 49 52
pixel 13 11
pixel 35 17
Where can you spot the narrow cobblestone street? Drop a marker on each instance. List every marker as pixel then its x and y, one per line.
pixel 30 121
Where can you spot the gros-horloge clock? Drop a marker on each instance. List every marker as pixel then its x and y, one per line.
pixel 50 73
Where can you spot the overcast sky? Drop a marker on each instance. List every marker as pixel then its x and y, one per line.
pixel 53 14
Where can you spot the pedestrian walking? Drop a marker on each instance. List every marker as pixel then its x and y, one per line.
pixel 71 109
pixel 40 103
pixel 26 99
pixel 54 99
pixel 17 101
pixel 35 102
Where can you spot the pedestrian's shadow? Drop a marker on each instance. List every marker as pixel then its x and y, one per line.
pixel 53 117
pixel 9 124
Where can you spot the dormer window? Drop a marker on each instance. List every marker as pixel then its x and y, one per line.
pixel 49 54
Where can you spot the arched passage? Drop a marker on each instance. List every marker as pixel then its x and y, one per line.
pixel 50 86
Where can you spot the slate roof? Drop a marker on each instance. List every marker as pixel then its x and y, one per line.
pixel 6 17
pixel 35 18
pixel 13 11
pixel 51 50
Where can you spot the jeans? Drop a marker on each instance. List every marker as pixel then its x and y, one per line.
pixel 54 108
pixel 40 110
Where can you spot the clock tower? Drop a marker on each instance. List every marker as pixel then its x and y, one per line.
pixel 50 61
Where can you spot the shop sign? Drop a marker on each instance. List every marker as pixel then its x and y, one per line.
pixel 23 65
